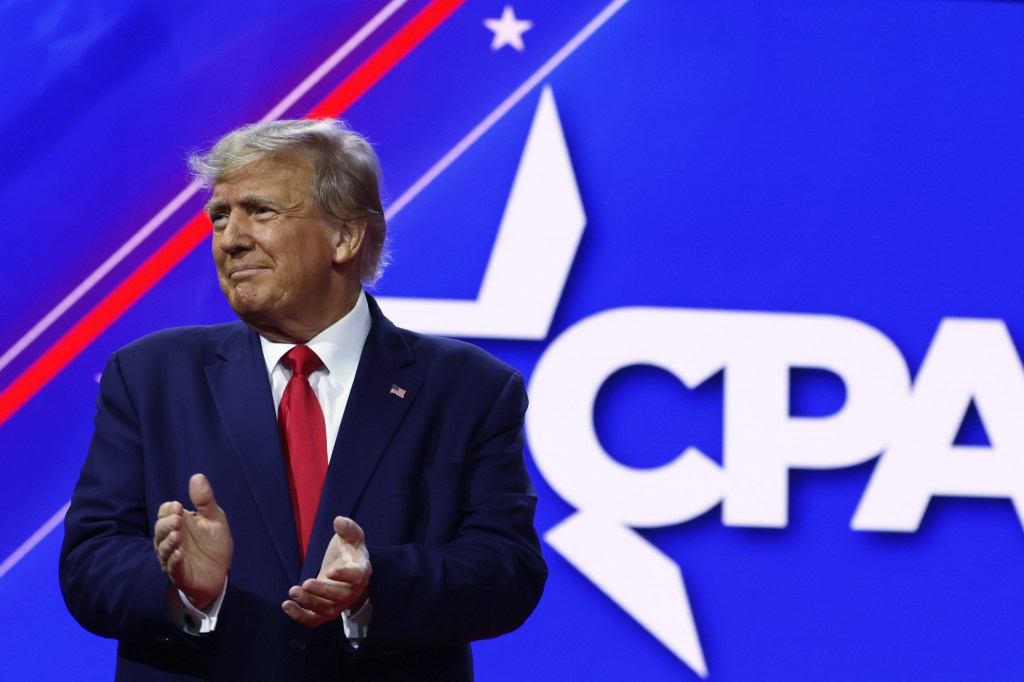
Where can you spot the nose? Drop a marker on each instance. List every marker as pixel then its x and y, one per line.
pixel 235 237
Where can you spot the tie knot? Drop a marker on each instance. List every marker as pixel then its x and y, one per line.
pixel 301 360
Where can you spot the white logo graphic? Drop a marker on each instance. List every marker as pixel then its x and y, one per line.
pixel 542 226
pixel 913 424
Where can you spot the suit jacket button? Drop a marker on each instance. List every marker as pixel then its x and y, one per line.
pixel 296 646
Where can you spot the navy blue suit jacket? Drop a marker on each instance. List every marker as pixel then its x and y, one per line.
pixel 435 478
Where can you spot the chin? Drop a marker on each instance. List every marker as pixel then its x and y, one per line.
pixel 246 307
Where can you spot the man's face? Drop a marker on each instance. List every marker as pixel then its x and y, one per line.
pixel 273 250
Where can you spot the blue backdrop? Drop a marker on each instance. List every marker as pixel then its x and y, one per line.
pixel 784 235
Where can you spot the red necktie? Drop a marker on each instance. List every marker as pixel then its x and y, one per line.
pixel 304 437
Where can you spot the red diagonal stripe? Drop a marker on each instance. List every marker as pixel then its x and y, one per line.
pixel 106 312
pixel 384 59
pixel 174 250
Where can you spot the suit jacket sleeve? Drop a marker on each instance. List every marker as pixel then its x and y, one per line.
pixel 488 578
pixel 109 574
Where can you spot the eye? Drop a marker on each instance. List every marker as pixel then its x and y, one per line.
pixel 262 212
pixel 219 220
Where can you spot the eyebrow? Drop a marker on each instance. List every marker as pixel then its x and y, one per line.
pixel 213 205
pixel 246 201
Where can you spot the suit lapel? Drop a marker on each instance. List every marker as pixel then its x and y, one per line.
pixel 372 415
pixel 241 391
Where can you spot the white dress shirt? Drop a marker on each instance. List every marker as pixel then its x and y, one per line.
pixel 338 347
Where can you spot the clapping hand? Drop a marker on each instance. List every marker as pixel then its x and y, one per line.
pixel 194 547
pixel 342 582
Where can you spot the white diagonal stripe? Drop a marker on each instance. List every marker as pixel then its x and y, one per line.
pixel 503 108
pixel 178 201
pixel 33 540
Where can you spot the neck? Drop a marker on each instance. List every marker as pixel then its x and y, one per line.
pixel 302 330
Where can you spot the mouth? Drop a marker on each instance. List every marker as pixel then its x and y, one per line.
pixel 239 271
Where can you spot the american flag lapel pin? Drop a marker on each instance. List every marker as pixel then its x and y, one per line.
pixel 397 390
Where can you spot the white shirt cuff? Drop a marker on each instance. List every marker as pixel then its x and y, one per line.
pixel 357 624
pixel 188 618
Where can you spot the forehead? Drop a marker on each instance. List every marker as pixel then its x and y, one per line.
pixel 279 175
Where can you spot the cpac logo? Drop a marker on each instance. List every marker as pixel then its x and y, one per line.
pixel 914 424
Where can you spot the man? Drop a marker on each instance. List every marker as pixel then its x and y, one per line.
pixel 362 510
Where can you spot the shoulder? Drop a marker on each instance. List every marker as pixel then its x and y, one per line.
pixel 462 377
pixel 176 344
pixel 457 356
pixel 437 353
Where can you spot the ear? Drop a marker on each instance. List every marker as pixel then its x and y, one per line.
pixel 347 240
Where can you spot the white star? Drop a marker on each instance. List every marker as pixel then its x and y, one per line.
pixel 508 30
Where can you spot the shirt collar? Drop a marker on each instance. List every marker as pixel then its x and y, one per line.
pixel 338 347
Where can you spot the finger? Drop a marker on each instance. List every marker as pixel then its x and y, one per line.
pixel 161 530
pixel 352 574
pixel 168 545
pixel 329 604
pixel 334 592
pixel 301 615
pixel 166 524
pixel 163 551
pixel 170 509
pixel 341 596
pixel 201 493
pixel 175 566
pixel 348 530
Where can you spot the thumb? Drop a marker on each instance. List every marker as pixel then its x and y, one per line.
pixel 348 530
pixel 201 493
